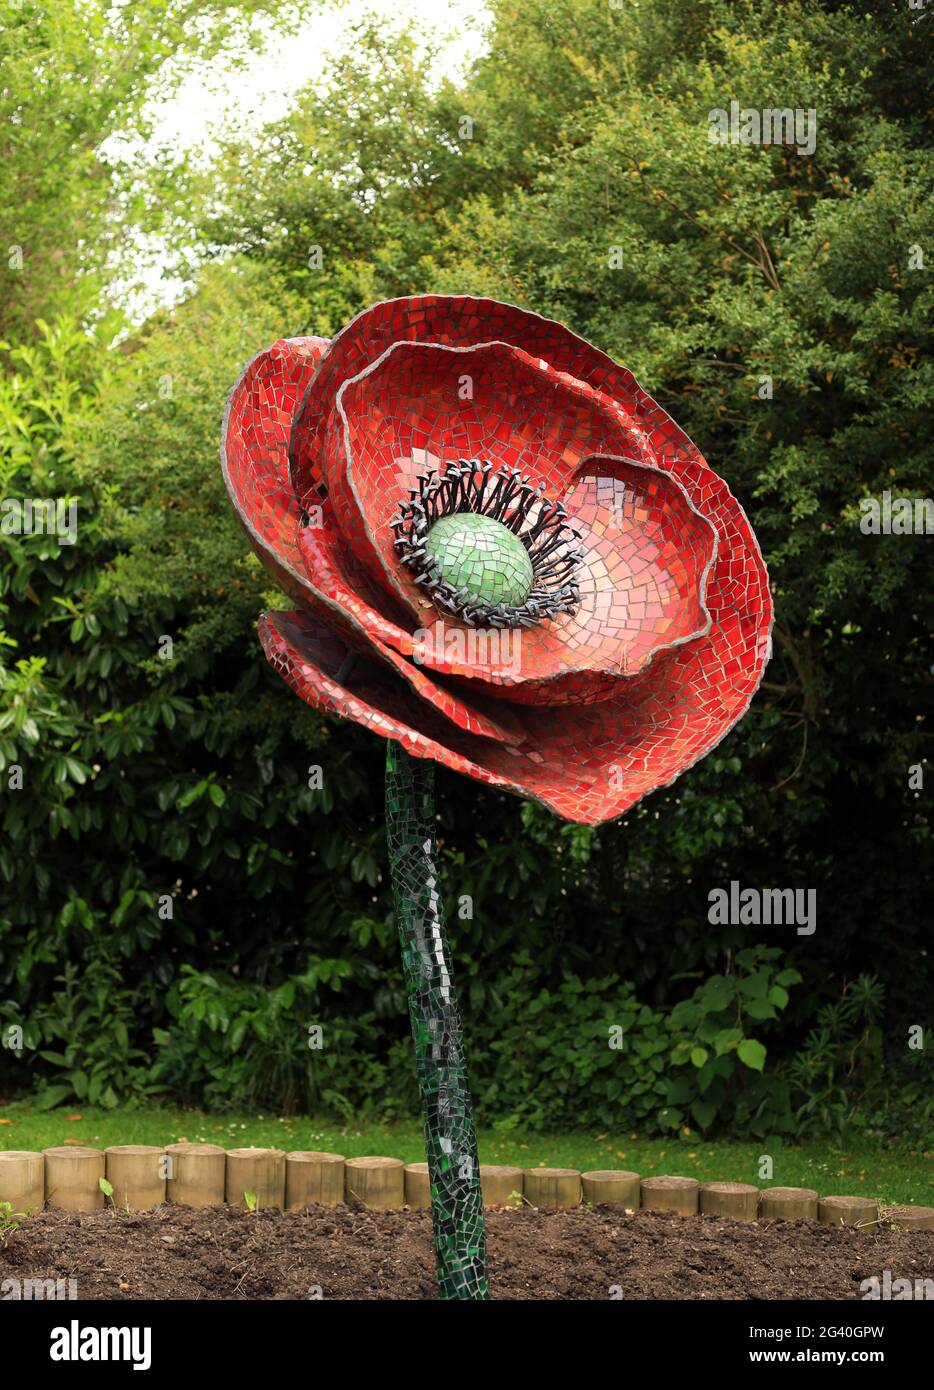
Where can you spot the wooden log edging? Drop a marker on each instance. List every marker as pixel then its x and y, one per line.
pixel 908 1218
pixel 502 1185
pixel 195 1174
pixel 136 1172
pixel 73 1178
pixel 417 1185
pixel 612 1187
pixel 376 1182
pixel 670 1194
pixel 738 1200
pixel 788 1204
pixel 552 1187
pixel 256 1177
pixel 22 1179
pixel 312 1177
pixel 144 1176
pixel 848 1211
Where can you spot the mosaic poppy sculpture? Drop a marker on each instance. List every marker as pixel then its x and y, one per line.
pixel 506 558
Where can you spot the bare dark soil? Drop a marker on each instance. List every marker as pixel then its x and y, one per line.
pixel 223 1253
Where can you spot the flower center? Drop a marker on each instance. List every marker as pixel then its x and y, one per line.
pixel 488 546
pixel 474 553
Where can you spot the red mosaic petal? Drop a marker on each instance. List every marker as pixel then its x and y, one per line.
pixel 455 321
pixel 588 764
pixel 643 580
pixel 254 451
pixel 347 602
pixel 344 587
pixel 647 555
pixel 313 661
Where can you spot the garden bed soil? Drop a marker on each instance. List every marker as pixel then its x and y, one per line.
pixel 226 1253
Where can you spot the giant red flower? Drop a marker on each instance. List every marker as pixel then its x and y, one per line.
pixel 505 554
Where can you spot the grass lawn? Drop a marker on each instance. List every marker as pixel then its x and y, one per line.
pixel 831 1168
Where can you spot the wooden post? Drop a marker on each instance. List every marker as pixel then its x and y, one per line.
pixel 849 1211
pixel 552 1187
pixel 612 1188
pixel 788 1204
pixel 72 1178
pixel 499 1181
pixel 376 1182
pixel 196 1174
pixel 22 1179
pixel 313 1178
pixel 670 1194
pixel 737 1200
pixel 417 1186
pixel 907 1218
pixel 136 1172
pixel 261 1171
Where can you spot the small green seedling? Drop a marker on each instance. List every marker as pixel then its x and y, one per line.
pixel 9 1220
pixel 108 1191
pixel 250 1198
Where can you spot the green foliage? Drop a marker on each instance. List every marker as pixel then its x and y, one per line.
pixel 724 1081
pixel 237 1043
pixel 590 1050
pixel 90 1020
pixel 838 1072
pixel 589 135
pixel 545 1058
pixel 75 76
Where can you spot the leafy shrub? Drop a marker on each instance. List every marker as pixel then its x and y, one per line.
pixel 837 1077
pixel 92 1018
pixel 239 1044
pixel 542 1058
pixel 588 1053
pixel 724 1081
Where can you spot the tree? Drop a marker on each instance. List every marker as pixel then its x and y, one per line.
pixel 75 75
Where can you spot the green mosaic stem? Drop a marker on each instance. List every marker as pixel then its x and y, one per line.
pixel 450 1141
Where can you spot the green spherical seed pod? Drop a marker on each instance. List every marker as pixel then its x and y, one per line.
pixel 476 553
